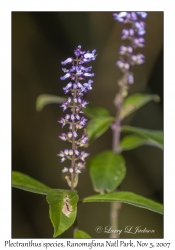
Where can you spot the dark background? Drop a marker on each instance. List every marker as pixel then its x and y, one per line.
pixel 40 41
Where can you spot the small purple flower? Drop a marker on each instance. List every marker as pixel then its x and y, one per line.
pixel 140 26
pixel 71 170
pixel 67 88
pixel 70 152
pixel 138 59
pixel 77 171
pixel 83 140
pixel 66 104
pixel 83 104
pixel 76 72
pixel 90 56
pixel 123 65
pixel 88 86
pixel 77 116
pixel 78 52
pixel 76 152
pixel 139 42
pixel 65 170
pixel 83 155
pixel 74 133
pixel 89 74
pixel 79 85
pixel 63 121
pixel 120 17
pixel 127 33
pixel 130 79
pixel 142 14
pixel 68 60
pixel 63 159
pixel 61 154
pixel 124 50
pixel 63 137
pixel 65 76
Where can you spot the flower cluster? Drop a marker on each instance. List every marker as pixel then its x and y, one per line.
pixel 76 73
pixel 134 34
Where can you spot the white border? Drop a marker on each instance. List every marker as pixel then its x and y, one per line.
pixel 90 5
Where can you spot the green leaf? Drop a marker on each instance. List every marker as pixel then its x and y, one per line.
pixel 98 126
pixel 149 137
pixel 92 111
pixel 129 198
pixel 132 141
pixel 107 171
pixel 136 101
pixel 43 100
pixel 27 183
pixel 62 209
pixel 78 234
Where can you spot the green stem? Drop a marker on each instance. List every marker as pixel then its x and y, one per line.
pixel 123 88
pixel 115 206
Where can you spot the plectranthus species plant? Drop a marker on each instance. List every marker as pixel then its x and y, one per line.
pixel 133 38
pixel 85 124
pixel 75 119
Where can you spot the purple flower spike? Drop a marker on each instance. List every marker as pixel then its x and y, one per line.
pixel 75 103
pixel 134 34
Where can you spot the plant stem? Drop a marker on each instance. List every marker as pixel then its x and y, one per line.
pixel 115 206
pixel 75 226
pixel 73 148
pixel 73 139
